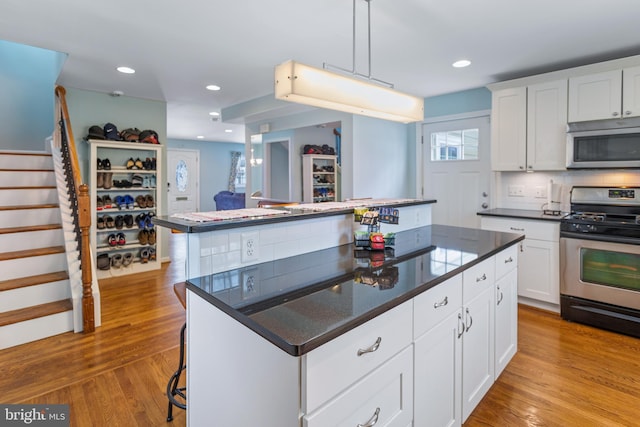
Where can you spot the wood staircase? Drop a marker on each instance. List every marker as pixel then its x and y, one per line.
pixel 35 292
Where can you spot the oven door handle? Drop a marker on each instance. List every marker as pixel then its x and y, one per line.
pixel 598 237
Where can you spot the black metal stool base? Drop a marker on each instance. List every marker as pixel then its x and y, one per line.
pixel 177 395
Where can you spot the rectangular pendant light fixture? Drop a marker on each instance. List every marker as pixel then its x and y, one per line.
pixel 318 87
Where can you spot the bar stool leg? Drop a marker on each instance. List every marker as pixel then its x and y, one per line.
pixel 172 387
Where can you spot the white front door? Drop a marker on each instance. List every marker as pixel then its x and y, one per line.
pixel 183 172
pixel 456 169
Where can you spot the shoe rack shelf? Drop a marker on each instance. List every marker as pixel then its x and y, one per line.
pixel 319 178
pixel 124 201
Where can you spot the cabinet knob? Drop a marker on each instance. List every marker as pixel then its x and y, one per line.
pixel 615 114
pixel 521 167
pixel 627 113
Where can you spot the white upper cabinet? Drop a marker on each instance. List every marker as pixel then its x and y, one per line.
pixel 509 129
pixel 631 92
pixel 608 95
pixel 528 127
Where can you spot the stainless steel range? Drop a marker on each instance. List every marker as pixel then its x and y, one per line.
pixel 600 259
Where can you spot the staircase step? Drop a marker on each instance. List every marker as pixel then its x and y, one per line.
pixel 4 256
pixel 23 282
pixel 15 196
pixel 28 228
pixel 27 178
pixel 23 207
pixel 27 239
pixel 29 313
pixel 25 160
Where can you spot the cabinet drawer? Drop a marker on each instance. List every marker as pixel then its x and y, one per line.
pixel 539 230
pixel 478 278
pixel 436 304
pixel 506 261
pixel 385 397
pixel 336 365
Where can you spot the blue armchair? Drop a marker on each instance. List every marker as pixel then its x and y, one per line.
pixel 226 200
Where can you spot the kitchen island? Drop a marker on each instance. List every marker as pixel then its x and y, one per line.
pixel 332 336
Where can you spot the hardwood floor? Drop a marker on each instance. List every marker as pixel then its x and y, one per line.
pixel 564 374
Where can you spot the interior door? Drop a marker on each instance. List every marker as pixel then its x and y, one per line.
pixel 456 168
pixel 183 174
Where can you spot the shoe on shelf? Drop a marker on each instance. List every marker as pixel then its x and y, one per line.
pixel 137 180
pixel 100 224
pixel 127 259
pixel 141 201
pixel 143 237
pixel 108 222
pixel 144 255
pixel 99 165
pixel 99 180
pixel 106 164
pixel 121 239
pixel 153 164
pixel 152 254
pixel 112 240
pixel 103 262
pixel 148 220
pixel 128 201
pixel 139 164
pixel 140 220
pixel 151 236
pixel 107 202
pixel 107 180
pixel 128 221
pixel 147 163
pixel 119 222
pixel 119 200
pixel 152 181
pixel 116 261
pixel 146 182
pixel 99 204
pixel 130 163
pixel 149 201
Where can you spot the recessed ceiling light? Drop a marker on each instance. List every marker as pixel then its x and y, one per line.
pixel 228 130
pixel 200 137
pixel 462 63
pixel 213 87
pixel 214 113
pixel 126 70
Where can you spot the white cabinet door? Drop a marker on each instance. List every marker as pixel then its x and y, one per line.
pixel 438 368
pixel 631 92
pixel 506 320
pixel 509 129
pixel 477 350
pixel 539 272
pixel 595 96
pixel 547 126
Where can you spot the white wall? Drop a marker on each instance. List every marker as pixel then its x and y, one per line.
pixel 530 181
pixel 383 159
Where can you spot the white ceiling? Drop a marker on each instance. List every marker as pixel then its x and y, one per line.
pixel 178 47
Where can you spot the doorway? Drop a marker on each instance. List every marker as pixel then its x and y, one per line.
pixel 456 168
pixel 183 172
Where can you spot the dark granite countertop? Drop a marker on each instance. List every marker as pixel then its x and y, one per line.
pixel 294 214
pixel 522 214
pixel 302 302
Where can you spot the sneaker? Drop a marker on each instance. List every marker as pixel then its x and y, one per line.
pixel 121 239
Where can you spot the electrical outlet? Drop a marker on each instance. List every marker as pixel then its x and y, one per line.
pixel 250 283
pixel 516 191
pixel 250 250
pixel 541 192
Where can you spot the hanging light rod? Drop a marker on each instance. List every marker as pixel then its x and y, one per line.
pixel 357 94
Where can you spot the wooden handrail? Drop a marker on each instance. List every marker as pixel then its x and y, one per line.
pixel 61 96
pixel 83 215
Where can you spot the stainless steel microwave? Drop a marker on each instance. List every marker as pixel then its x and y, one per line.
pixel 604 144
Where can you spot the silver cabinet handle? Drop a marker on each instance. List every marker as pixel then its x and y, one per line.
pixel 481 278
pixel 373 420
pixel 615 114
pixel 501 296
pixel 470 321
pixel 460 322
pixel 442 303
pixel 371 349
pixel 508 260
pixel 516 229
